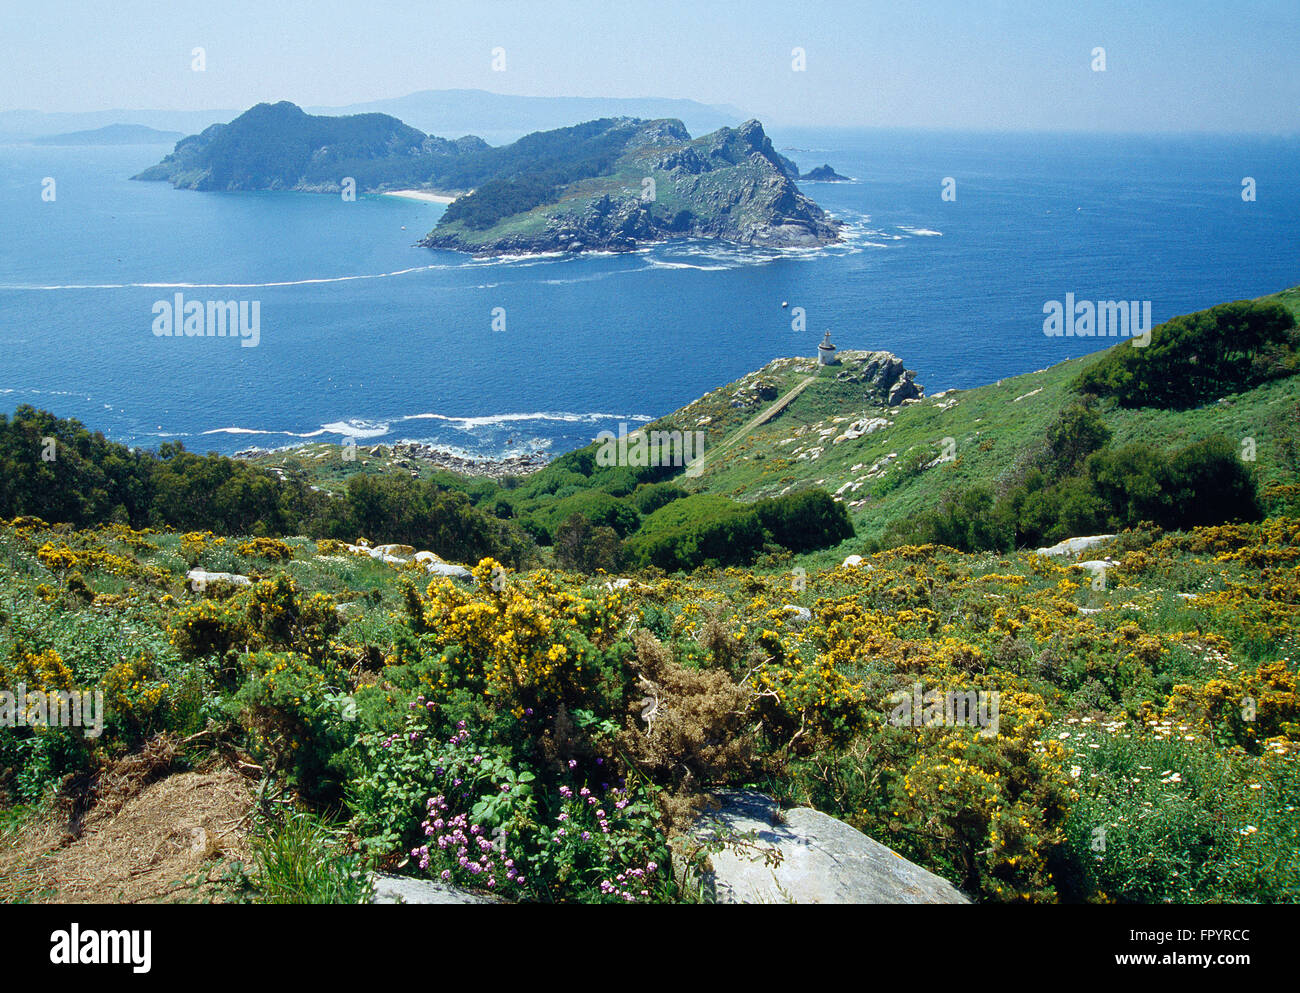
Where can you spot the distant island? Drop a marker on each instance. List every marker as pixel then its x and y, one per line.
pixel 113 134
pixel 608 185
pixel 824 174
pixel 612 185
pixel 280 147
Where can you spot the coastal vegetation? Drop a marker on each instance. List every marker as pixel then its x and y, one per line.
pixel 548 731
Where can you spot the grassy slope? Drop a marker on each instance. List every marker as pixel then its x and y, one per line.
pixel 993 426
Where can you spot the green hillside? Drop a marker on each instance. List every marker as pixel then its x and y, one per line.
pixel 324 707
pixel 994 428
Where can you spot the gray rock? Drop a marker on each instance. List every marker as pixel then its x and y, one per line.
pixel 1072 546
pixel 201 579
pixel 447 571
pixel 404 889
pixel 882 373
pixel 823 860
pixel 801 614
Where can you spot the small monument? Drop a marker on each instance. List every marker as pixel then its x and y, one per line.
pixel 826 352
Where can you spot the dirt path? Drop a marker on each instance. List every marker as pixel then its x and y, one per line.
pixel 696 468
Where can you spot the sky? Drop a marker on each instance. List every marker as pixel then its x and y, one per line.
pixel 1001 65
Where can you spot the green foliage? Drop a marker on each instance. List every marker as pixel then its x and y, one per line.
pixel 300 719
pixel 1116 488
pixel 1168 821
pixel 527 174
pixel 583 548
pixel 805 520
pixel 695 531
pixel 91 480
pixel 298 857
pixel 1198 358
pixel 1073 436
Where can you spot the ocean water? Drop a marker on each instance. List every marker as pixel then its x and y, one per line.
pixel 364 335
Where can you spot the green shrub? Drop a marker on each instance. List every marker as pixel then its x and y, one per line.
pixel 1198 358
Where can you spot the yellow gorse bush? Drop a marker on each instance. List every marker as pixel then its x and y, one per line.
pixel 522 637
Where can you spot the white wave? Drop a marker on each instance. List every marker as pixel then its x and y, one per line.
pixel 222 286
pixel 468 423
pixel 660 264
pixel 290 434
pixel 920 232
pixel 351 429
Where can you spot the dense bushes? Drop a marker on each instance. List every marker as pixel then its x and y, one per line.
pixel 583 548
pixel 82 479
pixel 805 520
pixel 1115 488
pixel 1197 358
pixel 706 529
pixel 695 531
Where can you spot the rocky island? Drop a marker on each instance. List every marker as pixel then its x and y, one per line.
pixel 633 182
pixel 824 174
pixel 607 185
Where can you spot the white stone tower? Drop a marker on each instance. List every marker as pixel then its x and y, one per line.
pixel 826 352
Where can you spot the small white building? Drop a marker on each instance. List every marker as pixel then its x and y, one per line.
pixel 826 352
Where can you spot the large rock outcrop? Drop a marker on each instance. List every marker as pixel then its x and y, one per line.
pixel 822 860
pixel 882 374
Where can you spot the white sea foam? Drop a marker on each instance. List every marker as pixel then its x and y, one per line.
pixel 469 423
pixel 222 286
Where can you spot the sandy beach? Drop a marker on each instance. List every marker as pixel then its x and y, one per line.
pixel 420 195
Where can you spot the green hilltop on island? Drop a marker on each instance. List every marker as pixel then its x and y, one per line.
pixel 608 185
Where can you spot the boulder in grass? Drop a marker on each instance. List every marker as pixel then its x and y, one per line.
pixel 201 579
pixel 406 889
pixel 822 859
pixel 1073 546
pixel 445 570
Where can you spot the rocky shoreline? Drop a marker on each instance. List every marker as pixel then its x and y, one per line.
pixel 415 457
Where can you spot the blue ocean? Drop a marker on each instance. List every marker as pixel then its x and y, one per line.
pixel 363 335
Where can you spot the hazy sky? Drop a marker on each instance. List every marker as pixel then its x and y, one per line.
pixel 978 64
